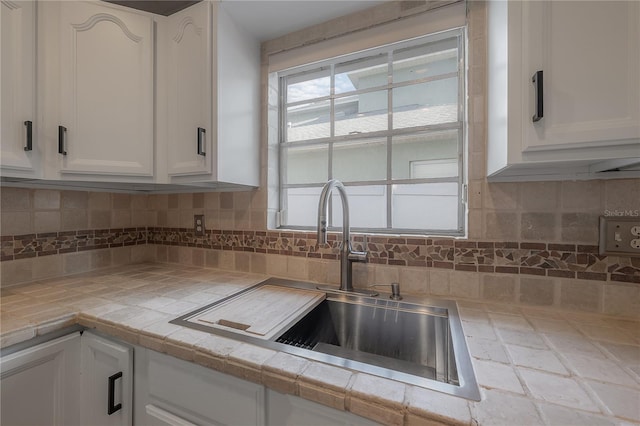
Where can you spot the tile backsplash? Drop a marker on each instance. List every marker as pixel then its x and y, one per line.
pixel 531 243
pixel 556 272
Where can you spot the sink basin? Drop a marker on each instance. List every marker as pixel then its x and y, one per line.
pixel 416 343
pixel 384 333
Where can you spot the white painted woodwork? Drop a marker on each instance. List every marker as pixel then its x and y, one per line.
pixel 590 54
pixel 232 64
pixel 18 88
pixel 106 89
pixel 265 312
pixel 190 96
pixel 238 102
pixel 102 358
pixel 161 417
pixel 289 410
pixel 197 394
pixel 40 385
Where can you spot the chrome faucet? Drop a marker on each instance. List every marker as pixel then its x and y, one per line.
pixel 347 254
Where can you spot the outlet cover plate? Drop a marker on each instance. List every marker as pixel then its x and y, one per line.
pixel 198 225
pixel 617 235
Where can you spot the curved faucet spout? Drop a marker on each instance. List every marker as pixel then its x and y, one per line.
pixel 323 211
pixel 347 255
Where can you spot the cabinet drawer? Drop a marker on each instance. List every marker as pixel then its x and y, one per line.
pixel 201 395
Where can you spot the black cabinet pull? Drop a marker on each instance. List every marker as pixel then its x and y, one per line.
pixel 111 408
pixel 539 88
pixel 29 145
pixel 62 140
pixel 200 146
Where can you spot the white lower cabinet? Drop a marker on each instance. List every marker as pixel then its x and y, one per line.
pixel 174 392
pixel 40 384
pixel 67 381
pixel 86 379
pixel 107 382
pixel 292 410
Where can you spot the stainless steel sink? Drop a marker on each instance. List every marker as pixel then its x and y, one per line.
pixel 416 343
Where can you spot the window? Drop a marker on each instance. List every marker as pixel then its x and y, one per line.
pixel 387 122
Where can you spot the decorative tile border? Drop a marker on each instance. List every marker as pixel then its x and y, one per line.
pixel 527 258
pixel 538 259
pixel 50 243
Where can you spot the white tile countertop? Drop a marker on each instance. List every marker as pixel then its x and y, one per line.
pixel 534 365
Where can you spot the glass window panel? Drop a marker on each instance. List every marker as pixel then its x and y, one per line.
pixel 361 74
pixel 367 207
pixel 309 85
pixel 430 169
pixel 306 164
pixel 424 104
pixel 425 206
pixel 409 150
pixel 366 112
pixel 424 154
pixel 308 121
pixel 301 207
pixel 427 60
pixel 360 160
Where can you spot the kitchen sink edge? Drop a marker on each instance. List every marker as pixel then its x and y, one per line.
pixel 467 387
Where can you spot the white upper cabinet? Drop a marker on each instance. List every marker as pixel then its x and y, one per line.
pixel 19 151
pixel 128 99
pixel 583 116
pixel 213 93
pixel 190 49
pixel 106 106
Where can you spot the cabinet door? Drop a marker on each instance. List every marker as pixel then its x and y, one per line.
pixel 291 410
pixel 189 91
pixel 107 382
pixel 589 52
pixel 18 72
pixel 192 393
pixel 106 90
pixel 40 384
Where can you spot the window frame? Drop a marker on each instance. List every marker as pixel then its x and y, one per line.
pixel 460 126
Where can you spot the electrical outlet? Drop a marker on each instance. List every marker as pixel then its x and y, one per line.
pixel 198 225
pixel 618 235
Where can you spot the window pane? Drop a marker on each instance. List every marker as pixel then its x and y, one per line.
pixel 309 85
pixel 366 112
pixel 361 74
pixel 422 104
pixel 411 153
pixel 302 206
pixel 306 164
pixel 360 160
pixel 428 60
pixel 389 115
pixel 425 206
pixel 367 207
pixel 308 121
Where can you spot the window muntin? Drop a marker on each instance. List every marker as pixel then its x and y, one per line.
pixel 389 123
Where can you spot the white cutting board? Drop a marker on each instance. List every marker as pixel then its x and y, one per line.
pixel 265 312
